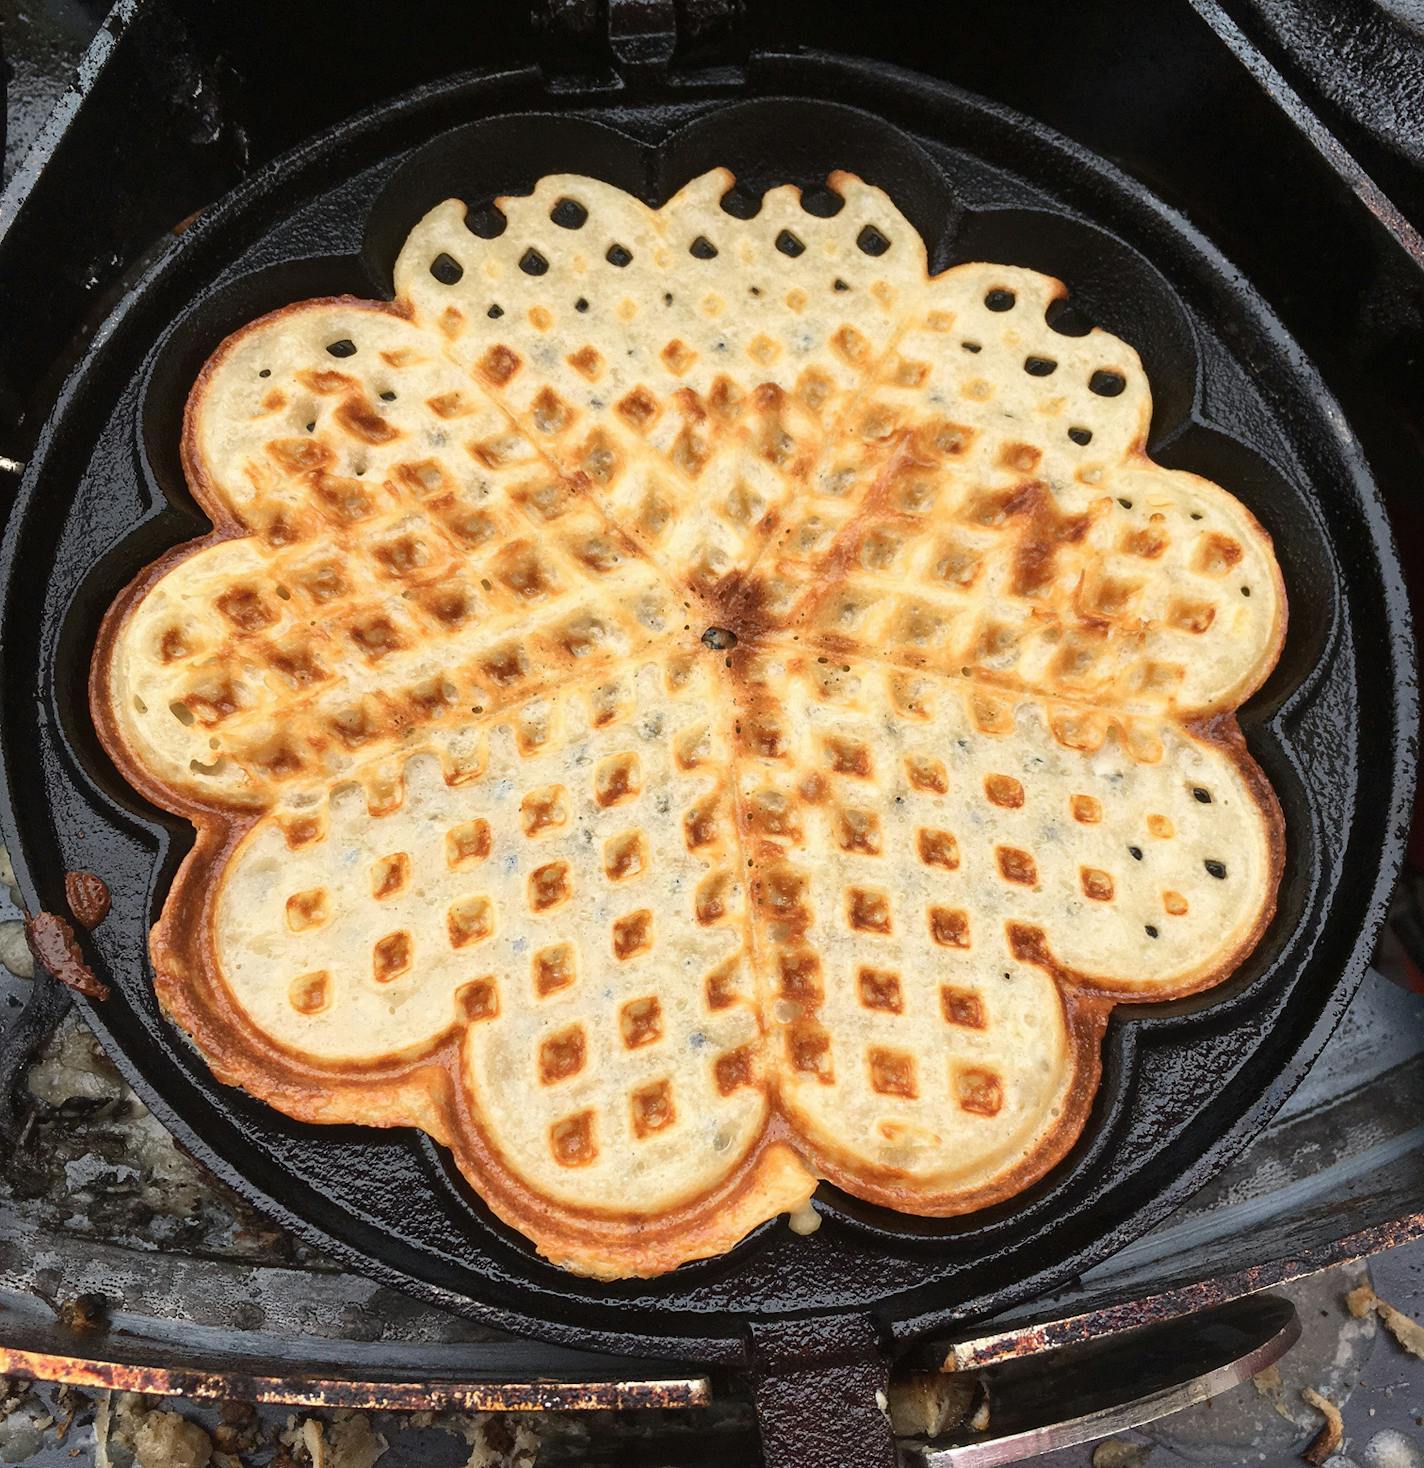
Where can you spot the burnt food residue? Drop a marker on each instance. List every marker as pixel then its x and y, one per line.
pixel 88 898
pixel 52 942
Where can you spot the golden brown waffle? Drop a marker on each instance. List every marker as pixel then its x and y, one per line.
pixel 682 707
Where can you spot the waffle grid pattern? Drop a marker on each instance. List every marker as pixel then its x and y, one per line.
pixel 738 708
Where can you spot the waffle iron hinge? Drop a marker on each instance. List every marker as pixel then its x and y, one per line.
pixel 640 45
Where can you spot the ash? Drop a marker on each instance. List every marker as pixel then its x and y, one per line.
pixel 92 1160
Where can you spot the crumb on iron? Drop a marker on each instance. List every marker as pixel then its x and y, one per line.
pixel 87 1313
pixel 88 898
pixel 53 944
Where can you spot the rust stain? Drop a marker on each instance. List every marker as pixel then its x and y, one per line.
pixel 300 1390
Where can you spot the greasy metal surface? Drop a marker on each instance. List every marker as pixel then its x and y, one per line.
pixel 196 84
pixel 41 44
pixel 638 43
pixel 1135 1378
pixel 805 1367
pixel 1107 1321
pixel 1288 418
pixel 1361 63
pixel 1340 160
pixel 394 1203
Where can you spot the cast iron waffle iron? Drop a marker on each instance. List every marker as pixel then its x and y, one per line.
pixel 1236 400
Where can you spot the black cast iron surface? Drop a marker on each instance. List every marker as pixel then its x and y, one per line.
pixel 1361 65
pixel 1184 1084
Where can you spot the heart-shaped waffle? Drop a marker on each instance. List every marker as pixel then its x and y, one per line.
pixel 681 707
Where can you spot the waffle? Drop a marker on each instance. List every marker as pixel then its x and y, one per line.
pixel 683 707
